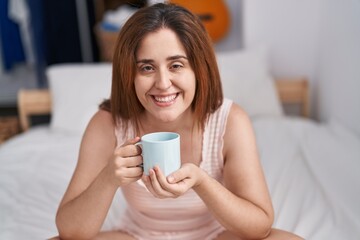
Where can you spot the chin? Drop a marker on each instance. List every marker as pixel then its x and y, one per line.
pixel 167 119
pixel 168 115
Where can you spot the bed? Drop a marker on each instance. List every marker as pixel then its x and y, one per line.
pixel 312 169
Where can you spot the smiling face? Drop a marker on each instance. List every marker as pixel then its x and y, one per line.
pixel 164 82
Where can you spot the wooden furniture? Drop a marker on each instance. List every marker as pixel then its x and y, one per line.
pixel 9 126
pixel 294 91
pixel 32 102
pixel 106 41
pixel 38 102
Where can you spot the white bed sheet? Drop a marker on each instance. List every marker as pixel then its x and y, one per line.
pixel 35 169
pixel 313 175
pixel 312 172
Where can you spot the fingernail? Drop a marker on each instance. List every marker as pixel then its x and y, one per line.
pixel 170 179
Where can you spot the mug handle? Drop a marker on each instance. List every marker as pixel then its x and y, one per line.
pixel 142 164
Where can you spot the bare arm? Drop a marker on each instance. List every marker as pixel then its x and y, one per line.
pixel 242 205
pixel 101 169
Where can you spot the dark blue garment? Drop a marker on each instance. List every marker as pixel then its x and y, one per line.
pixel 38 39
pixel 55 34
pixel 61 31
pixel 11 44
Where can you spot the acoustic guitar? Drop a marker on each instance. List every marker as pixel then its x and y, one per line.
pixel 213 13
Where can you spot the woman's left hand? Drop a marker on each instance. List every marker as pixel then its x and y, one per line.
pixel 174 185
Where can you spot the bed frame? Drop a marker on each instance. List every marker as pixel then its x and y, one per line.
pixel 38 102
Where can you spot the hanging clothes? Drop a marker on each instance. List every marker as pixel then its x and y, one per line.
pixel 61 31
pixel 38 40
pixel 10 39
pixel 55 34
pixel 19 13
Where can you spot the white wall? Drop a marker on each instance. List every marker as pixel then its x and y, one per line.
pixel 339 69
pixel 319 39
pixel 290 30
pixel 233 39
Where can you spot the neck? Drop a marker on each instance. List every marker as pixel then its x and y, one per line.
pixel 183 123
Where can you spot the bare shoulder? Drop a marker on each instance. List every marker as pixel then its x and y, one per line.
pixel 100 130
pixel 102 118
pixel 237 117
pixel 101 121
pixel 238 128
pixel 97 145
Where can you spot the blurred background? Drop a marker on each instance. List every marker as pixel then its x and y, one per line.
pixel 316 39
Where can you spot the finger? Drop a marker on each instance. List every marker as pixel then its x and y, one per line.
pixel 128 151
pixel 164 184
pixel 128 162
pixel 178 175
pixel 131 141
pixel 156 185
pixel 135 161
pixel 127 175
pixel 146 180
pixel 177 188
pixel 134 172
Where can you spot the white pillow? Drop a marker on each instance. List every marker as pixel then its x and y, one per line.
pixel 246 80
pixel 77 90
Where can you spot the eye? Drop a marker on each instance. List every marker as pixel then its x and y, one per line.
pixel 176 66
pixel 146 68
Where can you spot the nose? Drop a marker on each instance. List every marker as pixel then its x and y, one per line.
pixel 163 80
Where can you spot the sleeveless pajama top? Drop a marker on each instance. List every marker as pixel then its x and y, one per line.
pixel 185 217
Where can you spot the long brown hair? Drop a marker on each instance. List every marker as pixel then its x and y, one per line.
pixel 123 102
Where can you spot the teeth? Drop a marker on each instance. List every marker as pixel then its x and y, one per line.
pixel 165 99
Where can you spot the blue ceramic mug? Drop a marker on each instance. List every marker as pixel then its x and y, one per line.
pixel 161 149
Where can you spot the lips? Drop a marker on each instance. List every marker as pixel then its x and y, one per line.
pixel 165 99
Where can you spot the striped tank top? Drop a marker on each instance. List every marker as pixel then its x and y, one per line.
pixel 185 217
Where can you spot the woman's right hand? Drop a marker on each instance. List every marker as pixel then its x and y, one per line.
pixel 125 166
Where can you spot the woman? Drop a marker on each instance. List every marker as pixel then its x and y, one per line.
pixel 165 78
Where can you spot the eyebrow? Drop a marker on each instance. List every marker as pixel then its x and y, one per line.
pixel 171 58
